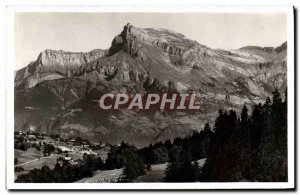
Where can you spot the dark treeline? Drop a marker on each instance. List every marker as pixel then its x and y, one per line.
pixel 250 147
pixel 196 144
pixel 245 147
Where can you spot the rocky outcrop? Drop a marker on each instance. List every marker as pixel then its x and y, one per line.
pixel 34 80
pixel 278 49
pixel 126 41
pixel 59 62
pixel 281 48
pixel 66 60
pixel 62 61
pixel 168 48
pixel 174 53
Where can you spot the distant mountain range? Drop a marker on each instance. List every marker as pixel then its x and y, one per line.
pixel 58 92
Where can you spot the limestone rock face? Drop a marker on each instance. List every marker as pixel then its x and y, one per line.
pixel 64 87
pixel 34 80
pixel 126 41
pixel 71 60
pixel 60 61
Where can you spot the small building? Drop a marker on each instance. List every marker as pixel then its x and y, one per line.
pixel 67 158
pixel 77 148
pixel 90 152
pixel 64 149
pixel 31 137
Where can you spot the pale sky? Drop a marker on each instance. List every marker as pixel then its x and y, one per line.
pixel 83 32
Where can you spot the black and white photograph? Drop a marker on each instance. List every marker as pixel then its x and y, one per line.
pixel 181 99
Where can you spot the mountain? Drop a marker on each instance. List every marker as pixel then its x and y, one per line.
pixel 59 92
pixel 51 65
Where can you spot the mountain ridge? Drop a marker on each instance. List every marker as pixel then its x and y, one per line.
pixel 141 60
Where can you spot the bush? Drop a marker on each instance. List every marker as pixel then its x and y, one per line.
pixel 19 169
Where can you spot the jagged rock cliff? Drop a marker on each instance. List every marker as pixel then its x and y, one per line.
pixel 59 92
pixel 52 64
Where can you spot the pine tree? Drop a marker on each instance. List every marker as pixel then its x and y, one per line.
pixel 133 165
pixel 277 116
pixel 181 168
pixel 174 164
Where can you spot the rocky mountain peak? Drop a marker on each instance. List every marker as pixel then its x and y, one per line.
pixel 132 38
pixel 66 86
pixel 282 47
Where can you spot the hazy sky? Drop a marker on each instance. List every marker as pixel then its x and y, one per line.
pixel 84 32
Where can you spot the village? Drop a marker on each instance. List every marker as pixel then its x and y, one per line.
pixel 34 150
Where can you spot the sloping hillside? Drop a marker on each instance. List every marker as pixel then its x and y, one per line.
pixel 59 92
